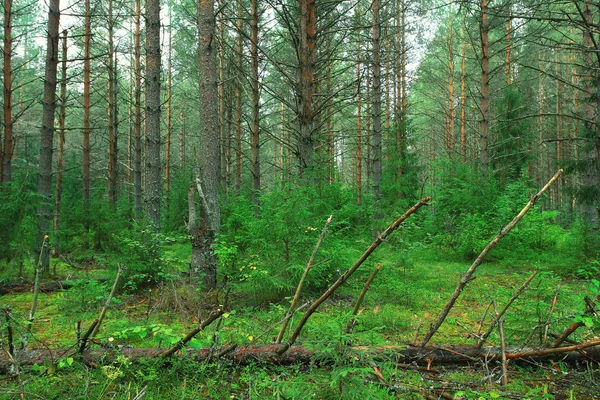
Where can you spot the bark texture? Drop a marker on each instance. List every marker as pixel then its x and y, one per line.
pixel 207 180
pixel 153 164
pixel 47 135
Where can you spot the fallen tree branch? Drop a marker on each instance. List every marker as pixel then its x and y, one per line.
pixel 307 269
pixel 108 300
pixel 483 338
pixel 466 278
pixel 182 342
pixel 414 355
pixel 352 323
pixel 344 277
pixel 46 287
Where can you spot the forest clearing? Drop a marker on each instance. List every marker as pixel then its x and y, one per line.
pixel 297 199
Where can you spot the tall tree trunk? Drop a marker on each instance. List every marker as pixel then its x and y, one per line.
pixel 238 101
pixel 47 135
pixel 86 113
pixel 112 135
pixel 169 126
pixel 590 207
pixel 403 103
pixel 450 123
pixel 376 154
pixel 221 94
pixel 359 146
pixel 463 103
pixel 153 163
pixel 208 182
pixel 7 153
pixel 307 58
pixel 255 128
pixel 137 143
pixel 60 164
pixel 484 158
pixel 182 140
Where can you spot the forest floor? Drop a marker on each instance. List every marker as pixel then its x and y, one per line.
pixel 407 296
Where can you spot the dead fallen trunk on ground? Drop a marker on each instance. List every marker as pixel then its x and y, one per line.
pixel 45 287
pixel 428 356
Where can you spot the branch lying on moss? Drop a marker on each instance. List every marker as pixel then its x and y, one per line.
pixel 428 356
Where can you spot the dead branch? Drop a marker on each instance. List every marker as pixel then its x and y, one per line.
pixel 349 272
pixel 464 280
pixel 308 267
pixel 181 343
pixel 589 310
pixel 108 300
pixel 361 297
pixel 414 355
pixel 483 338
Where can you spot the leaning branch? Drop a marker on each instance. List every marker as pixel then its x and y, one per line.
pixel 181 343
pixel 344 277
pixel 466 278
pixel 307 269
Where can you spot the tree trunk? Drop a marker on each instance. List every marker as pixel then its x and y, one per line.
pixel 463 103
pixel 450 123
pixel 376 154
pixel 153 163
pixel 137 163
pixel 485 88
pixel 86 114
pixel 7 153
pixel 60 165
pixel 47 135
pixel 112 135
pixel 208 178
pixel 255 128
pixel 169 122
pixel 238 101
pixel 359 146
pixel 306 84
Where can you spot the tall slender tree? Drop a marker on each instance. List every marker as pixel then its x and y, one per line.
pixel 47 135
pixel 153 163
pixel 203 235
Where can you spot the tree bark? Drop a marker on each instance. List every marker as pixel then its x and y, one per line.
pixel 306 84
pixel 112 104
pixel 137 143
pixel 7 153
pixel 244 355
pixel 255 127
pixel 238 100
pixel 484 106
pixel 86 114
pixel 207 181
pixel 44 214
pixel 60 164
pixel 153 163
pixel 376 154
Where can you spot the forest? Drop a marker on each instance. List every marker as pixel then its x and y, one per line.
pixel 291 199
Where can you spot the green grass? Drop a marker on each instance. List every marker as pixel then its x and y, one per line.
pixel 408 293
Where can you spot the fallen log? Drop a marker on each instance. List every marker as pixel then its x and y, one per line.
pixel 46 287
pixel 414 355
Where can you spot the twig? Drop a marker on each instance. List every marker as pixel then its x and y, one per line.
pixel 545 352
pixel 9 332
pixel 349 272
pixel 36 289
pixel 483 338
pixel 361 297
pixel 589 309
pixel 500 320
pixel 309 265
pixel 182 342
pixel 86 336
pixel 552 306
pixel 467 276
pixel 482 320
pixel 108 300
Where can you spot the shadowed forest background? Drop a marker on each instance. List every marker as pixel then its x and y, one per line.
pixel 195 150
